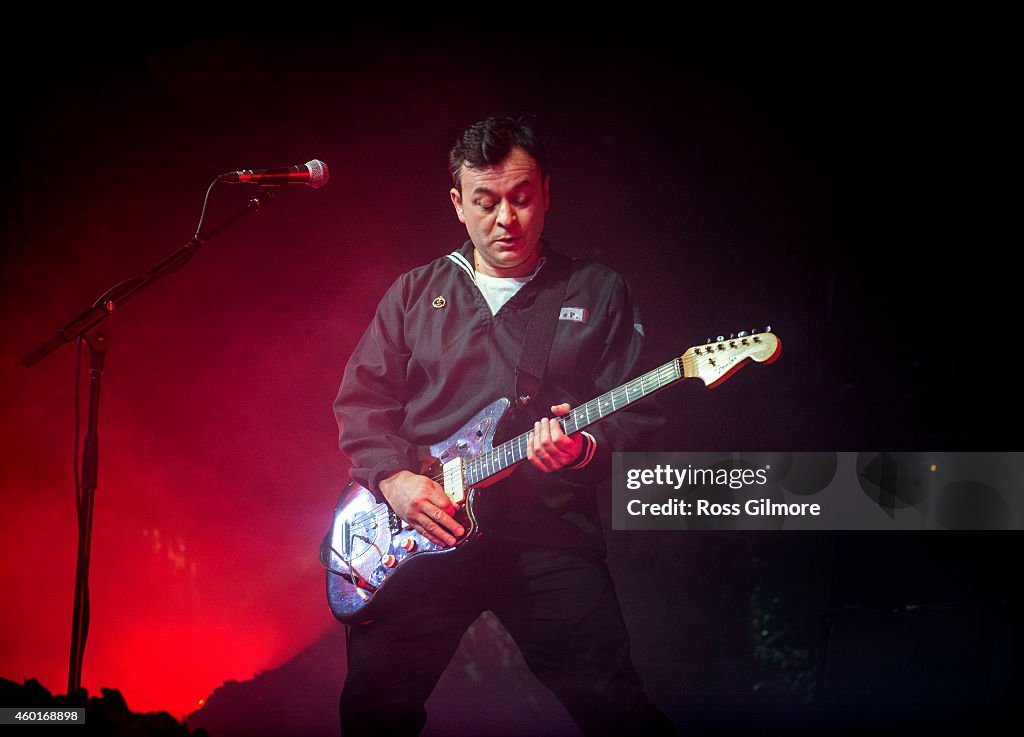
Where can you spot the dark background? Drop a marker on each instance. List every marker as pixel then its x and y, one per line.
pixel 839 188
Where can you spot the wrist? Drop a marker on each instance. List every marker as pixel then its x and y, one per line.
pixel 391 477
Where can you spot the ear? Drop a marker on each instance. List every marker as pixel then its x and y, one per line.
pixel 457 203
pixel 547 192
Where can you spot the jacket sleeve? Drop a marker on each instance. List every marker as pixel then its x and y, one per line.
pixel 624 358
pixel 370 406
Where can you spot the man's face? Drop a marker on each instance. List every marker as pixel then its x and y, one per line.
pixel 503 208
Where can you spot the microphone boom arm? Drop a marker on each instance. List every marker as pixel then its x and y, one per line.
pixel 120 293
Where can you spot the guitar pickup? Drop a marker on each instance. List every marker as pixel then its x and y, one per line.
pixel 454 481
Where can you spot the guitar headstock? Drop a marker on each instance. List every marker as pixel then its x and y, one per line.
pixel 718 359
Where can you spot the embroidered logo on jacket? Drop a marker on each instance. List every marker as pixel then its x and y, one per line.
pixel 576 314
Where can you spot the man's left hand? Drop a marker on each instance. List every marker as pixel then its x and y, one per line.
pixel 550 448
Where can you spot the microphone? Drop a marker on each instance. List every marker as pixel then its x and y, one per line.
pixel 313 173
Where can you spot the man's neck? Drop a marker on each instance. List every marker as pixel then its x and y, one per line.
pixel 521 270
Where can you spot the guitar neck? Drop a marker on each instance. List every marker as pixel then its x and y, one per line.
pixel 513 451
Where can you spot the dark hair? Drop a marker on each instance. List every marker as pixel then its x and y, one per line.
pixel 488 143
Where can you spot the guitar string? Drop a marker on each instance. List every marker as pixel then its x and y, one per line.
pixel 364 520
pixel 661 377
pixel 360 522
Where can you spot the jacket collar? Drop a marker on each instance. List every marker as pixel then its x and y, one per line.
pixel 463 257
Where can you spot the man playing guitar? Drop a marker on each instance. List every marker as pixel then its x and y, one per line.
pixel 445 341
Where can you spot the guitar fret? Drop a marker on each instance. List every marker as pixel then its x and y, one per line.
pixel 514 451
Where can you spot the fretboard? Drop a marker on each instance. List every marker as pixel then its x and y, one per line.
pixel 513 451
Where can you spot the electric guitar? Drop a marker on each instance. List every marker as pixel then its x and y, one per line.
pixel 369 551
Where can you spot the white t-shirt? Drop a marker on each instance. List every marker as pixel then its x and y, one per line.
pixel 498 290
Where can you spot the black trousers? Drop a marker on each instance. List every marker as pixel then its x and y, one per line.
pixel 558 605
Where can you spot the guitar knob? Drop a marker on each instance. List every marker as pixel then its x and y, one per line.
pixel 389 561
pixel 409 544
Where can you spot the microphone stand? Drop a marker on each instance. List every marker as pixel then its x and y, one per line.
pixel 86 327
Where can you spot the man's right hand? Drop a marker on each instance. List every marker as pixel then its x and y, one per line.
pixel 422 503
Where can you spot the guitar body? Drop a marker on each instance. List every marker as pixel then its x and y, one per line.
pixel 367 542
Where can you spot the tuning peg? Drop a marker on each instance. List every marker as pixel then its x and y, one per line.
pixel 720 338
pixel 742 334
pixel 767 328
pixel 732 335
pixel 709 341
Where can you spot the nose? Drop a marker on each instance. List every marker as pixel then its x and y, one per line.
pixel 506 213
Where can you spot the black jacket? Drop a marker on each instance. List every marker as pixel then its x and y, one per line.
pixel 434 356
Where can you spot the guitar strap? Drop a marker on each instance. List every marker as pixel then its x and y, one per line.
pixel 540 333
